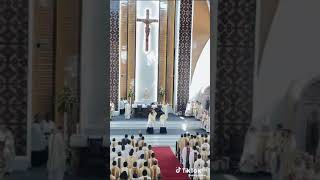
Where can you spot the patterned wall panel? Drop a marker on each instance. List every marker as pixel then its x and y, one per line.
pixel 13 69
pixel 114 52
pixel 234 78
pixel 184 54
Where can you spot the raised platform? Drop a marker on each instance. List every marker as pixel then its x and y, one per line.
pixel 176 125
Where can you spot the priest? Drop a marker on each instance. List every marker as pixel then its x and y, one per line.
pixel 155 171
pixel 186 156
pixel 57 155
pixel 193 155
pixel 121 106
pixel 10 152
pixel 151 121
pixel 248 162
pixel 115 170
pixel 188 111
pixel 37 143
pixel 2 157
pixel 288 154
pixel 127 111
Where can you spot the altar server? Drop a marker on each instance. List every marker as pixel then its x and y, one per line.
pixel 57 155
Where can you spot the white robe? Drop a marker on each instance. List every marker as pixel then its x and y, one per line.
pixel 192 157
pixel 188 111
pixel 121 105
pixel 151 119
pixel 57 157
pixel 127 113
pixel 47 128
pixel 249 156
pixel 199 164
pixel 287 156
pixel 184 156
pixel 163 120
pixel 37 138
pixel 10 152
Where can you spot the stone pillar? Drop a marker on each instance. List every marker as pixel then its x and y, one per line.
pixel 93 108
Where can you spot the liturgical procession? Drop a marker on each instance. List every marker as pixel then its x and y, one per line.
pixel 121 90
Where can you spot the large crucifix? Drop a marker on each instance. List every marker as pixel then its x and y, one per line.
pixel 147 21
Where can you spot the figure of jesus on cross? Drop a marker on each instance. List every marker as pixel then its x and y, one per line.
pixel 147 21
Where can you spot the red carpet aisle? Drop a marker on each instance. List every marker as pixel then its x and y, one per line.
pixel 168 164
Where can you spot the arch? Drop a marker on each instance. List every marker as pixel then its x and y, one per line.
pixel 305 98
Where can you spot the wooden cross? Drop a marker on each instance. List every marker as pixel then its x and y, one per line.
pixel 147 21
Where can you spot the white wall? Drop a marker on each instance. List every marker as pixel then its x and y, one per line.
pixel 201 76
pixel 291 54
pixel 93 67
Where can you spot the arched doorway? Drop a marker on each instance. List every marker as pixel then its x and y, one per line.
pixel 308 117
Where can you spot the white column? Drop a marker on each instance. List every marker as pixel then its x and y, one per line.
pixel 93 68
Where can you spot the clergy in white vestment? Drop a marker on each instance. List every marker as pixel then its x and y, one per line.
pixel 248 162
pixel 274 145
pixel 145 175
pixel 199 111
pixel 9 152
pixel 195 109
pixel 188 111
pixel 165 109
pixel 57 155
pixel 112 109
pixel 121 106
pixel 152 119
pixel 205 172
pixel 127 111
pixel 264 135
pixel 37 144
pixel 155 171
pixel 298 170
pixel 163 120
pixel 125 169
pixel 145 167
pixel 2 156
pixel 113 154
pixel 115 170
pixel 206 145
pixel 193 154
pixel 288 154
pixel 186 156
pixel 47 127
pixel 120 160
pixel 199 163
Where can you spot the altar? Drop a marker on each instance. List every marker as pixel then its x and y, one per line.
pixel 143 110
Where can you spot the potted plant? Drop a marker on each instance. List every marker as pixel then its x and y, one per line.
pixel 65 102
pixel 162 93
pixel 130 94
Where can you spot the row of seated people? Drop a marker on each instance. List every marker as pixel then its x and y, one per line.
pixel 305 167
pixel 133 159
pixel 197 110
pixel 193 151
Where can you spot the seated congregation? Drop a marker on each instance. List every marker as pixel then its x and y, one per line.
pixel 275 152
pixel 133 159
pixel 193 151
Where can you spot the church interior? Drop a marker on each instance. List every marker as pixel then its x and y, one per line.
pixel 120 89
